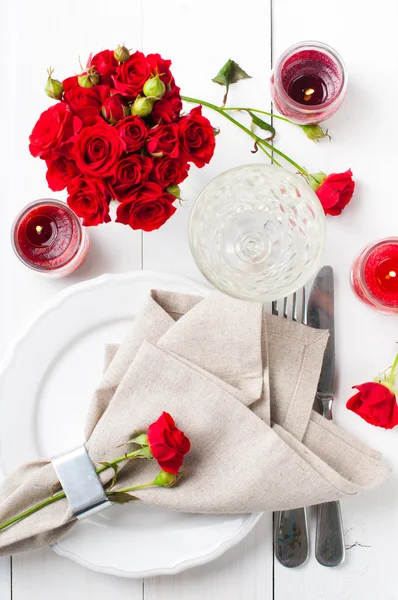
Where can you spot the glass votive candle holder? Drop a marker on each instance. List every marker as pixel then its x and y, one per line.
pixel 48 237
pixel 309 82
pixel 374 275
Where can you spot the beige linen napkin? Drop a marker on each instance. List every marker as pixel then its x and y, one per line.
pixel 225 371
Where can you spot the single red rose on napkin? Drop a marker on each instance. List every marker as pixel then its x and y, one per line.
pixel 131 75
pixel 197 137
pixel 55 127
pixel 129 173
pixel 167 443
pixel 335 191
pixel 169 170
pixel 163 140
pixel 59 172
pixel 376 404
pixel 97 150
pixel 133 133
pixel 148 208
pixel 168 108
pixel 89 199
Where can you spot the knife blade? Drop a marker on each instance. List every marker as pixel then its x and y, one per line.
pixel 329 542
pixel 320 315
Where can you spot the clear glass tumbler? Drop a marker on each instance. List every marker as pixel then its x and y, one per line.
pixel 257 232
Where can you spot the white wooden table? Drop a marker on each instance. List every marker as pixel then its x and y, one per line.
pixel 199 37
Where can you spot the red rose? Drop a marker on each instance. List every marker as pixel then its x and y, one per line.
pixel 56 126
pixel 131 75
pixel 376 404
pixel 133 133
pixel 69 83
pixel 168 108
pixel 114 110
pixel 59 172
pixel 97 150
pixel 168 444
pixel 105 64
pixel 169 170
pixel 197 137
pixel 160 66
pixel 129 173
pixel 148 209
pixel 163 140
pixel 86 102
pixel 335 192
pixel 89 199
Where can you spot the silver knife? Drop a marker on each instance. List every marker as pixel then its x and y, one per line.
pixel 329 543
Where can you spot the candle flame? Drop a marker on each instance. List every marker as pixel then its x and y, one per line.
pixel 308 93
pixel 39 228
pixel 392 274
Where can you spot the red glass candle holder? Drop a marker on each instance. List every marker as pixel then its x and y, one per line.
pixel 374 275
pixel 309 82
pixel 48 237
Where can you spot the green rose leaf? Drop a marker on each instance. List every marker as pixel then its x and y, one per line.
pixel 230 73
pixel 121 497
pixel 115 470
pixel 257 122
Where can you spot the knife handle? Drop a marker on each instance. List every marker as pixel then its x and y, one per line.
pixel 291 537
pixel 329 544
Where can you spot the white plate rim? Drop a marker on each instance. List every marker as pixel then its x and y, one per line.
pixel 52 304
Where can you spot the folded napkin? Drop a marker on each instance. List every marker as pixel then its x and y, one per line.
pixel 241 384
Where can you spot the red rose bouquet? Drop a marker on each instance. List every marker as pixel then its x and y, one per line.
pixel 118 133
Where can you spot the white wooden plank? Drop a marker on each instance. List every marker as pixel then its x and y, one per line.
pixel 36 35
pixel 364 135
pixel 199 40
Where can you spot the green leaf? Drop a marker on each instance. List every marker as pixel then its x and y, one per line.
pixel 115 469
pixel 121 497
pixel 315 132
pixel 262 125
pixel 231 72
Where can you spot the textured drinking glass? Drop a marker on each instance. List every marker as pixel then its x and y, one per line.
pixel 313 67
pixel 257 232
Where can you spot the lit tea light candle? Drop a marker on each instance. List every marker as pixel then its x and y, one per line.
pixel 48 237
pixel 374 275
pixel 309 82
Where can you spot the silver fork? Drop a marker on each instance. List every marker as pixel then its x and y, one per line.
pixel 290 526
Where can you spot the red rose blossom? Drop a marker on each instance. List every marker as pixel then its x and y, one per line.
pixel 148 208
pixel 86 102
pixel 69 83
pixel 168 108
pixel 163 140
pixel 160 66
pixel 335 192
pixel 59 172
pixel 129 173
pixel 168 444
pixel 133 133
pixel 196 137
pixel 105 64
pixel 114 110
pixel 97 150
pixel 131 75
pixel 376 404
pixel 89 199
pixel 55 127
pixel 169 170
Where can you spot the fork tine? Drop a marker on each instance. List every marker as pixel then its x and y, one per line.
pixel 294 308
pixel 285 301
pixel 304 307
pixel 275 307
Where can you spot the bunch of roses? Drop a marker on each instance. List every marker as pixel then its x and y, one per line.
pixel 117 133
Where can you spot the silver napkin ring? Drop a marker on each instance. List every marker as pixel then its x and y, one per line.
pixel 80 483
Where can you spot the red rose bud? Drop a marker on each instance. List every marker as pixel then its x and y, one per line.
pixel 121 54
pixel 53 88
pixel 142 106
pixel 88 79
pixel 165 479
pixel 113 110
pixel 335 191
pixel 376 404
pixel 167 443
pixel 154 88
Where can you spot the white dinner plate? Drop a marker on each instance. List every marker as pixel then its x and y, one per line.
pixel 45 387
